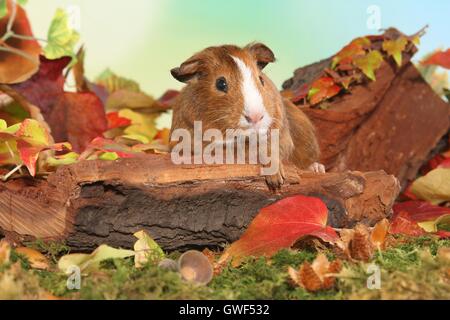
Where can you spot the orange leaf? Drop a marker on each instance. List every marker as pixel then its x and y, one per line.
pixel 280 225
pixel 379 233
pixel 322 89
pixel 440 58
pixel 37 260
pixel 15 68
pixel 349 52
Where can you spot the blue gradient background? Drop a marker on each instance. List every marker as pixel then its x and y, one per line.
pixel 144 39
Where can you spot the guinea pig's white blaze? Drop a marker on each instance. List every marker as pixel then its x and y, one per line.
pixel 254 108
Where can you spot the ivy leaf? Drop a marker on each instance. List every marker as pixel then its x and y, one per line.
pixel 322 89
pixel 395 48
pixel 61 37
pixel 369 63
pixel 351 51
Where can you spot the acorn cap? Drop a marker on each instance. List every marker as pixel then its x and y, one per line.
pixel 195 267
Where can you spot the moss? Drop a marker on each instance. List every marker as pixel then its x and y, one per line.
pixel 409 270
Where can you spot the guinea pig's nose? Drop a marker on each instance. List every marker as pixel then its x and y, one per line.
pixel 254 118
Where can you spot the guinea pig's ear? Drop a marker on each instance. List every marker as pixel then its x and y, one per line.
pixel 188 70
pixel 262 54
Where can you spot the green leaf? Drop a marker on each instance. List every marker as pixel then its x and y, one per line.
pixel 22 2
pixel 370 63
pixel 147 250
pixel 440 224
pixel 91 262
pixel 61 38
pixel 63 160
pixel 112 82
pixel 109 156
pixel 3 9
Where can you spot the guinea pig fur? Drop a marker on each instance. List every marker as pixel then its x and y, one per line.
pixel 227 89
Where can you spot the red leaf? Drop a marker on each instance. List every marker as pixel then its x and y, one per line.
pixel 419 211
pixel 300 94
pixel 281 225
pixel 168 98
pixel 74 117
pixel 15 68
pixel 440 58
pixel 401 224
pixel 322 89
pixel 115 121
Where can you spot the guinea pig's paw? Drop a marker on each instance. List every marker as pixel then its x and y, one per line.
pixel 317 168
pixel 275 181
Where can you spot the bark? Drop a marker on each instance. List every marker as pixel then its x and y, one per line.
pixel 96 202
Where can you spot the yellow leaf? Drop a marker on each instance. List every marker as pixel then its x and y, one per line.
pixel 434 187
pixel 141 124
pixel 370 63
pixel 5 252
pixel 395 48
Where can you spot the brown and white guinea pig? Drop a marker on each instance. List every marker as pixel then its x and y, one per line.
pixel 226 89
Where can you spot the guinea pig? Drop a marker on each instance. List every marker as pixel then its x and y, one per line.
pixel 227 89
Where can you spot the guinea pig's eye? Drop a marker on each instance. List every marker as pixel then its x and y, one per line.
pixel 262 80
pixel 222 85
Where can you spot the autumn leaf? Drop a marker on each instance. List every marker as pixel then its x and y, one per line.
pixel 280 225
pixel 351 51
pixel 322 89
pixel 19 58
pixel 91 262
pixel 128 99
pixel 37 260
pixel 369 63
pixel 74 117
pixel 440 58
pixel 100 146
pixel 434 187
pixel 5 252
pixel 61 38
pixel 402 224
pixel 112 82
pixel 146 250
pixel 115 121
pixel 395 48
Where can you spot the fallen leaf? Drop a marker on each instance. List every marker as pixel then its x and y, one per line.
pixel 434 187
pixel 395 48
pixel 37 260
pixel 440 58
pixel 115 121
pixel 379 234
pixel 402 224
pixel 361 248
pixel 147 250
pixel 91 262
pixel 124 99
pixel 19 58
pixel 112 82
pixel 280 225
pixel 369 63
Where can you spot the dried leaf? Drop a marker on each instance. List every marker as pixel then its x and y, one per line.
pixel 280 225
pixel 379 234
pixel 434 187
pixel 360 247
pixel 5 252
pixel 356 48
pixel 37 260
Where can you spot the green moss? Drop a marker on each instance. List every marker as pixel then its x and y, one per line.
pixel 409 270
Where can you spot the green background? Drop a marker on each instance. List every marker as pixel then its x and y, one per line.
pixel 144 39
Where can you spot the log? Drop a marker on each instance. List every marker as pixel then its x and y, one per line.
pixel 391 124
pixel 96 202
